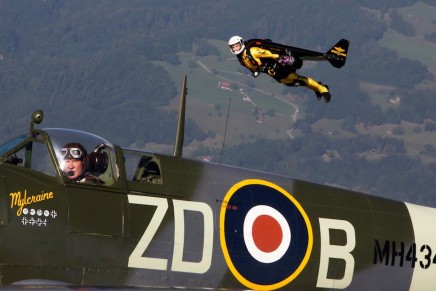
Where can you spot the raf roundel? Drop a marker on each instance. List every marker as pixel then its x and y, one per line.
pixel 266 235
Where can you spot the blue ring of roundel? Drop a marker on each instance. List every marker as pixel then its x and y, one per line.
pixel 254 274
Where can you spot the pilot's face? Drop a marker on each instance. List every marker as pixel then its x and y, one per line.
pixel 235 47
pixel 73 168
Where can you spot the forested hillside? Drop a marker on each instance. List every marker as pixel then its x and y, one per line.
pixel 108 67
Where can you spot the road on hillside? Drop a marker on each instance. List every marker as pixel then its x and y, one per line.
pixel 293 116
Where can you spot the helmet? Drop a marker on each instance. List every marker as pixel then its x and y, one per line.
pixel 235 40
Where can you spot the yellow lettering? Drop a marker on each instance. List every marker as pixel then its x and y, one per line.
pixel 339 51
pixel 15 197
pixel 17 200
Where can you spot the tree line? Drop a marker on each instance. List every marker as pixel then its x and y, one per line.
pixel 92 65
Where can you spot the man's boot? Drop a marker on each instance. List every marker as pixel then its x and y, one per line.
pixel 321 91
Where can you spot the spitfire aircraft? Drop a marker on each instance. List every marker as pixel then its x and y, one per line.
pixel 164 221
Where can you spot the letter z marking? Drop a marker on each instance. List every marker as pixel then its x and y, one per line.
pixel 136 260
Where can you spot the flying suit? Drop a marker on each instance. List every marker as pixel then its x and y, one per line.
pixel 262 60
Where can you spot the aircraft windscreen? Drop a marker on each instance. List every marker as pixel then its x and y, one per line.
pixel 4 148
pixel 97 153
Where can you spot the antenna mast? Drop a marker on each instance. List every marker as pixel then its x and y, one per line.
pixel 225 129
pixel 180 135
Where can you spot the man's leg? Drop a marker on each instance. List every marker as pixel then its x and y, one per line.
pixel 321 91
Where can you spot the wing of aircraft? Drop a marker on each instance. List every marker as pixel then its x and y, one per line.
pixel 162 221
pixel 336 55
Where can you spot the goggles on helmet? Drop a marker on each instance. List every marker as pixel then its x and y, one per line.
pixel 71 153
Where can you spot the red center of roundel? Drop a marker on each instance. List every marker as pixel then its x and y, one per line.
pixel 267 233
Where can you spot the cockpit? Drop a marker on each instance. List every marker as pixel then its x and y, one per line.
pixel 75 155
pixel 96 155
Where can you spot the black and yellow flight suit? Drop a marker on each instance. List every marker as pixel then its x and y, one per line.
pixel 255 59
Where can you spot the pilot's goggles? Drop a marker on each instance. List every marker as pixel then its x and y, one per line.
pixel 71 153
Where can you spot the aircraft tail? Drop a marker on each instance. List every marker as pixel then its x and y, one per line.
pixel 337 55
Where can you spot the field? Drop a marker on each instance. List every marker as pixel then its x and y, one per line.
pixel 214 108
pixel 423 19
pixel 209 105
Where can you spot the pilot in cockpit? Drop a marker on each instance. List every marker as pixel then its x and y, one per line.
pixel 75 163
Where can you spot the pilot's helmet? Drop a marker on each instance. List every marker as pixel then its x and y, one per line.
pixel 236 40
pixel 73 150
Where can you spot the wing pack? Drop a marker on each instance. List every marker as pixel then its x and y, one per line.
pixel 336 55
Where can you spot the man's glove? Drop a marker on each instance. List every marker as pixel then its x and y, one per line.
pixel 286 60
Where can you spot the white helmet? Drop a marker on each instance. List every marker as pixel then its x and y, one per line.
pixel 235 40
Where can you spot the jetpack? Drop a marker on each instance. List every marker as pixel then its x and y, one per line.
pixel 336 55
